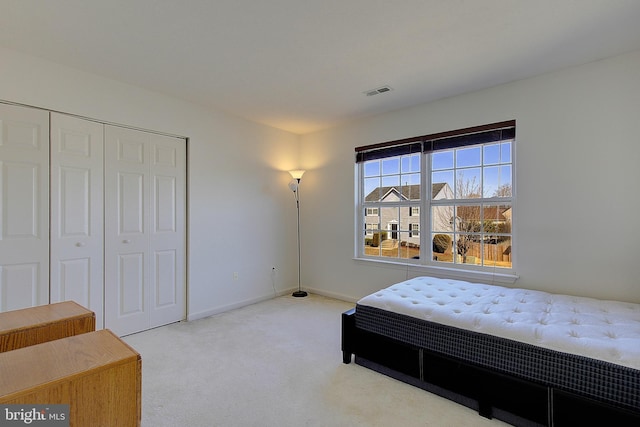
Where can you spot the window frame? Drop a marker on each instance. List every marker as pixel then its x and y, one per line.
pixel 426 202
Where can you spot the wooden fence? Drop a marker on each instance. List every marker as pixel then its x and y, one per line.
pixel 500 252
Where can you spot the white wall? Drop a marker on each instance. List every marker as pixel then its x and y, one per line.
pixel 578 155
pixel 241 214
pixel 577 182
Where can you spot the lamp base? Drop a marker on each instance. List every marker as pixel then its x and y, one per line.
pixel 299 294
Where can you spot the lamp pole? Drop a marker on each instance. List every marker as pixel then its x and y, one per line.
pixel 295 186
pixel 299 292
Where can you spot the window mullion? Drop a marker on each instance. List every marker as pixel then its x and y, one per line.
pixel 425 207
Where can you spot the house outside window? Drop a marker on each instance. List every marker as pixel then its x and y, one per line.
pixel 370 228
pixel 468 211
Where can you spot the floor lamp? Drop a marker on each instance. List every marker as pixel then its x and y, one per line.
pixel 294 185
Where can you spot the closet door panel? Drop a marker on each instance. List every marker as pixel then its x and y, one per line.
pixel 24 207
pixel 77 232
pixel 74 281
pixel 131 284
pixel 145 283
pixel 126 230
pixel 167 234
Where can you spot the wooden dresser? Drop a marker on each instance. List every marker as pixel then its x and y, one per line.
pixel 35 325
pixel 96 373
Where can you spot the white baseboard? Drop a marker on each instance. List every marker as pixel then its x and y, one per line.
pixel 333 295
pixel 217 310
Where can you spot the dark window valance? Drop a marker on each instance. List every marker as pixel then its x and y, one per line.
pixel 389 151
pixel 439 141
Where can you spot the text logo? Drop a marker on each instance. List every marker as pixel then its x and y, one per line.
pixel 34 415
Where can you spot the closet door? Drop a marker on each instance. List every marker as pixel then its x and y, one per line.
pixel 144 230
pixel 77 212
pixel 167 246
pixel 24 207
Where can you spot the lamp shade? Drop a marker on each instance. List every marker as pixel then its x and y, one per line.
pixel 297 174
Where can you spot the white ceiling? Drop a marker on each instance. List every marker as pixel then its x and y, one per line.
pixel 303 65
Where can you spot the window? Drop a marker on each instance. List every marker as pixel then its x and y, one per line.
pixel 467 210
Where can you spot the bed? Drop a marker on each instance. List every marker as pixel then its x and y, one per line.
pixel 527 357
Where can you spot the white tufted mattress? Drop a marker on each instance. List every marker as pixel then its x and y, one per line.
pixel 602 330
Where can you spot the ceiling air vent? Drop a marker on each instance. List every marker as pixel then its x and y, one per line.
pixel 377 91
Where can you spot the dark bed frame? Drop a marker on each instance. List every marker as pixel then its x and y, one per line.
pixel 517 386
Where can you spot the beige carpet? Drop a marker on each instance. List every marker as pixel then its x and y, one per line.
pixel 276 363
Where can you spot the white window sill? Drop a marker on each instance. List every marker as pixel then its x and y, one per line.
pixel 491 277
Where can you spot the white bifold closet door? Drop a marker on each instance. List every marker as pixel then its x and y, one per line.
pixel 144 230
pixel 77 232
pixel 24 207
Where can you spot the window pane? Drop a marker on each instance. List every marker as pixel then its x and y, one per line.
pixel 442 219
pixel 371 189
pixel 371 231
pixel 468 249
pixel 411 179
pixel 408 249
pixel 390 249
pixel 372 168
pixel 411 163
pixel 505 188
pixel 371 223
pixel 505 152
pixel 491 154
pixel 389 222
pixel 411 187
pixel 442 160
pixel 409 232
pixel 390 190
pixel 497 252
pixel 371 236
pixel 497 219
pixel 442 247
pixel 467 224
pixel 467 219
pixel 391 166
pixel 442 185
pixel 371 248
pixel 466 157
pixel 497 181
pixel 390 234
pixel 491 181
pixel 468 184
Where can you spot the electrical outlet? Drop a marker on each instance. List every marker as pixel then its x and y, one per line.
pixel 235 275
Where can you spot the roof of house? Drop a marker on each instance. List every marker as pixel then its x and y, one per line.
pixel 409 192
